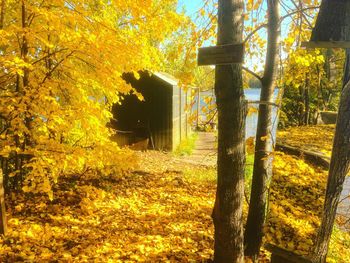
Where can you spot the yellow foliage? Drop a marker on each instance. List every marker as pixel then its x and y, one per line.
pixel 61 71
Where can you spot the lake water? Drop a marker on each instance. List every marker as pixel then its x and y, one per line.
pixel 252 118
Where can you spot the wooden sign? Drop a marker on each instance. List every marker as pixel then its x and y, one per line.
pixel 221 55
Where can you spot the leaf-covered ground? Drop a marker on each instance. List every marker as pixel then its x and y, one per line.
pixel 317 138
pixel 296 202
pixel 159 213
pixel 145 217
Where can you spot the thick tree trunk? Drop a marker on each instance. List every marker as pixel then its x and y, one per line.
pixel 231 104
pixel 339 167
pixel 262 160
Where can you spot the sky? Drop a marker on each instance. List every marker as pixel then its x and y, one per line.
pixel 191 6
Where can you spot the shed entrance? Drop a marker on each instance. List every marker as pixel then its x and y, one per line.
pixel 157 121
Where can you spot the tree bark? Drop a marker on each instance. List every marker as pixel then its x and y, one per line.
pixel 2 14
pixel 346 77
pixel 231 104
pixel 3 222
pixel 24 48
pixel 262 160
pixel 339 168
pixel 307 101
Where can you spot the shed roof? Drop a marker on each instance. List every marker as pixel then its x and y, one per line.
pixel 167 78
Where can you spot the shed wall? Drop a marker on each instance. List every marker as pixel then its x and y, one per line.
pixel 176 117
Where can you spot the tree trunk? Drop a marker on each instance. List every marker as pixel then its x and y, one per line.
pixel 339 167
pixel 2 14
pixel 231 104
pixel 25 78
pixel 262 160
pixel 3 223
pixel 24 48
pixel 307 102
pixel 346 77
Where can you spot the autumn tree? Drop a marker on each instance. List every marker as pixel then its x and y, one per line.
pixel 262 159
pixel 262 171
pixel 61 69
pixel 312 79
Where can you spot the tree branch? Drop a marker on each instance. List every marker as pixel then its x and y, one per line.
pixel 55 67
pixel 252 73
pixel 281 20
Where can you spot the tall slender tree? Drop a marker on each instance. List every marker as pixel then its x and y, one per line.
pixel 339 168
pixel 333 24
pixel 262 162
pixel 227 213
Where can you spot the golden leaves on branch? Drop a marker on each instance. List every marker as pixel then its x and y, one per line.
pixel 56 94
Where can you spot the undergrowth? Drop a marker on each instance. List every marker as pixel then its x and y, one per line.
pixel 187 145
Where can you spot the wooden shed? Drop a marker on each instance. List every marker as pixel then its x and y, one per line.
pixel 160 121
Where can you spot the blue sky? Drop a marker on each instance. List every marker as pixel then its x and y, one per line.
pixel 191 6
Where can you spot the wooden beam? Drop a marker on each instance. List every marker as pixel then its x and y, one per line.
pixel 280 255
pixel 326 44
pixel 315 158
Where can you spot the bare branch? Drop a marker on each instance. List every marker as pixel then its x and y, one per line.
pixel 281 20
pixel 252 73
